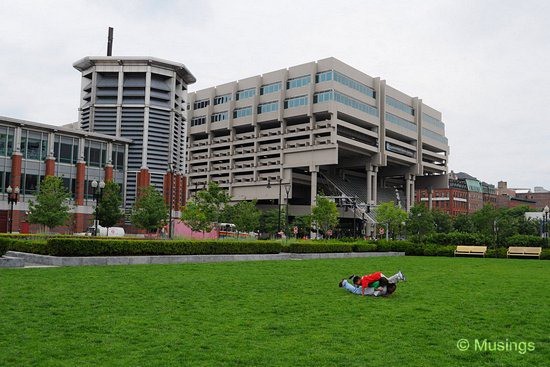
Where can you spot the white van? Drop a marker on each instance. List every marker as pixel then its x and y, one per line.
pixel 105 231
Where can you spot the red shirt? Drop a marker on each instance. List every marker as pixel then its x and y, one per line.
pixel 371 278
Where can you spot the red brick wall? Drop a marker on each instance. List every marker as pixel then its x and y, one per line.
pixel 50 166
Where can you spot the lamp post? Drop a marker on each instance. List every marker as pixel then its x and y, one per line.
pixel 96 196
pixel 13 198
pixel 545 211
pixel 287 189
pixel 171 171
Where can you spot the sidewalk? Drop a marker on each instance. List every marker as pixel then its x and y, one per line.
pixel 34 260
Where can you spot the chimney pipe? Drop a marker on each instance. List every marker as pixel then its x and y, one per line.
pixel 110 42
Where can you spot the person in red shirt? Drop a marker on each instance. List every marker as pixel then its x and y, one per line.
pixel 365 280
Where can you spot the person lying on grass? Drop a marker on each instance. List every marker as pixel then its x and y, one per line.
pixel 366 281
pixel 379 288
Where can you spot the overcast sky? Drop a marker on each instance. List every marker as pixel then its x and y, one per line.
pixel 484 64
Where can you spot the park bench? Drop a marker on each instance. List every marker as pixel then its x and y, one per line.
pixel 524 251
pixel 471 250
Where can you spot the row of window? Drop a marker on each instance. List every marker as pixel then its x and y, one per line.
pixel 401 122
pixel 432 121
pixel 268 107
pixel 347 81
pixel 199 120
pixel 435 136
pixel 346 100
pixel 220 116
pixel 246 93
pixel 242 112
pixel 290 84
pixel 298 82
pixel 399 105
pixel 34 146
pixel 296 102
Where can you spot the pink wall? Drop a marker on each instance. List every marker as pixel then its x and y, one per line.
pixel 181 230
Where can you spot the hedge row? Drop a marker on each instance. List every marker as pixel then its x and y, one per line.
pixel 59 246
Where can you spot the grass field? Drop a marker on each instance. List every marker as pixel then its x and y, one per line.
pixel 277 313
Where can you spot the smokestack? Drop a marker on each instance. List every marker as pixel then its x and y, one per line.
pixel 110 42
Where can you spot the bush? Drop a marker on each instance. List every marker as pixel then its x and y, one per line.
pixel 123 247
pixel 458 238
pixel 4 245
pixel 525 240
pixel 364 247
pixel 319 247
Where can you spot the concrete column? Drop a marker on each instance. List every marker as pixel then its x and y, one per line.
pixel 409 192
pixel 374 185
pixel 314 171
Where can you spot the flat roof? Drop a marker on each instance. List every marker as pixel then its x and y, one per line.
pixel 62 129
pixel 89 61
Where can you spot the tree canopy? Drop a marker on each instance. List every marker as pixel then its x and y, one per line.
pixel 51 208
pixel 109 211
pixel 325 214
pixel 149 211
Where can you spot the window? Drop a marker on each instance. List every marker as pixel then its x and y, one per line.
pixel 34 144
pixel 296 102
pixel 432 121
pixel 246 93
pixel 358 105
pixel 324 96
pixel 222 99
pixel 242 112
pixel 95 153
pixel 268 107
pixel 298 82
pixel 401 122
pixel 434 135
pixel 199 120
pixel 220 116
pixel 65 149
pixel 117 157
pixel 6 141
pixel 323 76
pixel 270 88
pixel 30 184
pixel 354 84
pixel 399 105
pixel 201 104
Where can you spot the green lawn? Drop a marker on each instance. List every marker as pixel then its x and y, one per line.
pixel 275 313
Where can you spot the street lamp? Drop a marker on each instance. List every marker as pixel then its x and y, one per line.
pixel 96 196
pixel 287 189
pixel 545 211
pixel 171 171
pixel 13 198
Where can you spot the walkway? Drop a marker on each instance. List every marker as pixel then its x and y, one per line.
pixel 34 260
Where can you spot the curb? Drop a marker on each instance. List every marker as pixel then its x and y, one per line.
pixel 182 259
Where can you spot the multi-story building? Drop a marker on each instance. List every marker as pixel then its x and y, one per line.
pixel 320 126
pixel 142 99
pixel 29 151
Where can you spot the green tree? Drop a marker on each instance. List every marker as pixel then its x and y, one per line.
pixel 269 219
pixel 109 209
pixel 212 201
pixel 304 225
pixel 324 214
pixel 51 208
pixel 246 216
pixel 420 221
pixel 463 223
pixel 194 217
pixel 442 221
pixel 149 211
pixel 393 216
pixel 484 220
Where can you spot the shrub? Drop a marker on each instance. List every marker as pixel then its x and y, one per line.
pixel 525 240
pixel 458 238
pixel 319 247
pixel 4 245
pixel 364 247
pixel 123 247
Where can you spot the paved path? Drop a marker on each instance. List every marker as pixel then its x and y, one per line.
pixel 34 260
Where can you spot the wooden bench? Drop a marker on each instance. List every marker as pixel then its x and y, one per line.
pixel 471 250
pixel 524 251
